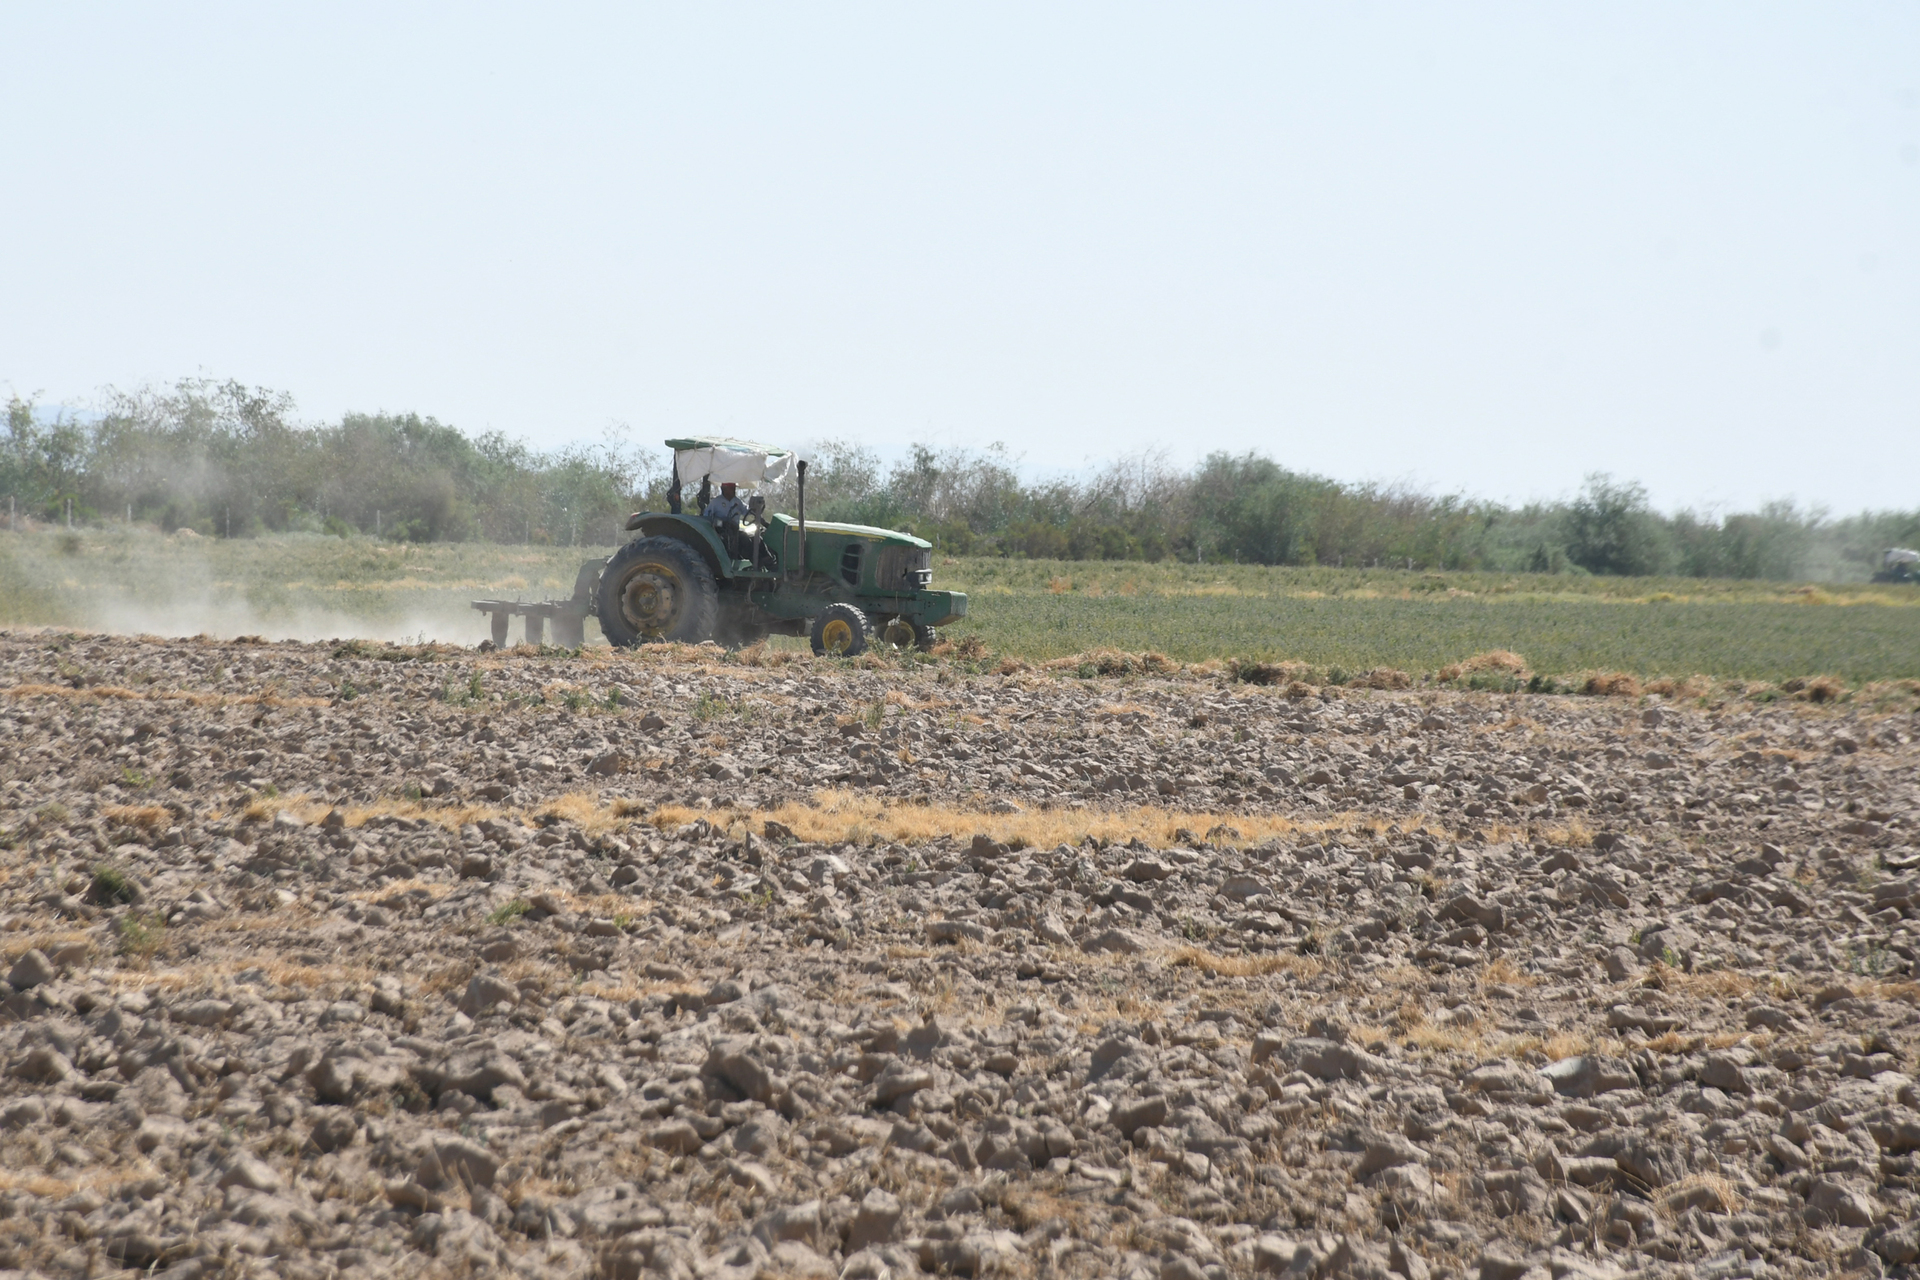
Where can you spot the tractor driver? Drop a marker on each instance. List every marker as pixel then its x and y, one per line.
pixel 725 509
pixel 726 512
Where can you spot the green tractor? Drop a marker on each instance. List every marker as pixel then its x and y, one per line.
pixel 733 574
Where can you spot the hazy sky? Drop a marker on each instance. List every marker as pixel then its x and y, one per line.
pixel 1472 246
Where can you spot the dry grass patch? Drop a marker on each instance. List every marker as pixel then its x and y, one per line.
pixel 307 977
pixel 147 817
pixel 1245 966
pixel 1114 662
pixel 1816 688
pixel 1285 674
pixel 1887 695
pixel 1403 976
pixel 1503 661
pixel 115 693
pixel 1368 1033
pixel 545 974
pixel 1031 1206
pixel 1611 684
pixel 1448 1039
pixel 294 917
pixel 585 810
pixel 765 655
pixel 1567 1044
pixel 411 886
pixel 1674 1042
pixel 1728 1039
pixel 1504 971
pixel 18 945
pixel 835 816
pixel 1517 1047
pixel 107 1181
pixel 1695 686
pixel 840 816
pixel 621 992
pixel 1573 833
pixel 280 972
pixel 1710 1191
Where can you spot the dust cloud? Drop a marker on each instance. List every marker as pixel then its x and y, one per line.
pixel 290 588
pixel 194 613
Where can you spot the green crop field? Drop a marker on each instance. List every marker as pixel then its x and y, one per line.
pixel 1752 641
pixel 319 587
pixel 1419 622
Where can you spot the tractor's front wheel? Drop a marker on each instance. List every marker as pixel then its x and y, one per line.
pixel 908 633
pixel 840 631
pixel 657 589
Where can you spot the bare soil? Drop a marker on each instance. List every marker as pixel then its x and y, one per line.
pixel 347 960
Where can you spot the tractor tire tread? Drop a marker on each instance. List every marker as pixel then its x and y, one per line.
pixel 697 621
pixel 852 616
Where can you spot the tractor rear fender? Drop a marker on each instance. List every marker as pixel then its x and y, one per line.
pixel 584 583
pixel 693 531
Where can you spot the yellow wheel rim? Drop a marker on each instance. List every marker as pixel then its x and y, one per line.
pixel 650 599
pixel 900 634
pixel 836 636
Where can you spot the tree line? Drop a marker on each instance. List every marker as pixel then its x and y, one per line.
pixel 1248 508
pixel 228 460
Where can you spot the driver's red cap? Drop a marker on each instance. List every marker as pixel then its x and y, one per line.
pixel 726 486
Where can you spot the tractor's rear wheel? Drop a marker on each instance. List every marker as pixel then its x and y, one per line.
pixel 907 633
pixel 657 589
pixel 840 631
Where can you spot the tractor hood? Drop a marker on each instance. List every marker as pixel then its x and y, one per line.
pixel 853 531
pixel 740 462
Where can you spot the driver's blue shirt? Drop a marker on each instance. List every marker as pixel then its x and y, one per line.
pixel 723 509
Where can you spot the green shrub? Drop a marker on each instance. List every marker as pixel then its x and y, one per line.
pixel 508 912
pixel 112 886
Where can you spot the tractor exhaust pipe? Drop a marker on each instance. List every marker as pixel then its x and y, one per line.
pixel 803 518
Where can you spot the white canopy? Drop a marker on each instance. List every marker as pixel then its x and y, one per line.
pixel 740 462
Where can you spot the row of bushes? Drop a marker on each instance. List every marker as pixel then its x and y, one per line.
pixel 231 461
pixel 1249 509
pixel 228 460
